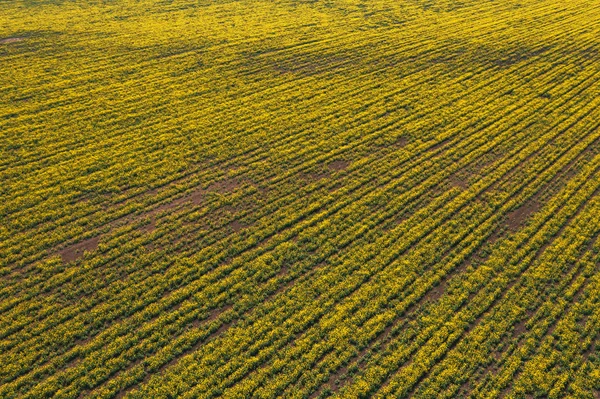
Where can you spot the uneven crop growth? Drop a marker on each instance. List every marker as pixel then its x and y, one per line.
pixel 303 199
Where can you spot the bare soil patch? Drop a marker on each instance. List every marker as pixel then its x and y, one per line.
pixel 219 331
pixel 458 182
pixel 236 225
pixel 215 313
pixel 196 197
pixel 517 218
pixel 401 142
pixel 436 293
pixel 520 328
pixel 11 40
pixel 284 270
pixel 150 227
pixel 230 209
pixel 338 165
pixel 76 251
pixel 226 186
pixel 591 349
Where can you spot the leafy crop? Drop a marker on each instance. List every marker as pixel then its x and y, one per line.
pixel 277 198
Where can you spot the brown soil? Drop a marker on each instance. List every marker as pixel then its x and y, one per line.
pixel 230 209
pixel 219 331
pixel 196 197
pixel 401 142
pixel 224 186
pixel 456 181
pixel 76 251
pixel 436 293
pixel 217 312
pixel 236 225
pixel 399 220
pixel 150 227
pixel 338 165
pixel 591 349
pixel 11 40
pixel 520 328
pixel 151 247
pixel 517 218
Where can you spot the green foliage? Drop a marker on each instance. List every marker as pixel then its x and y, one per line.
pixel 299 199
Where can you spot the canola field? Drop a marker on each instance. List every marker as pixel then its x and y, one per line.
pixel 299 199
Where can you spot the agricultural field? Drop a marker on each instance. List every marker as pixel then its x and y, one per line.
pixel 299 199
